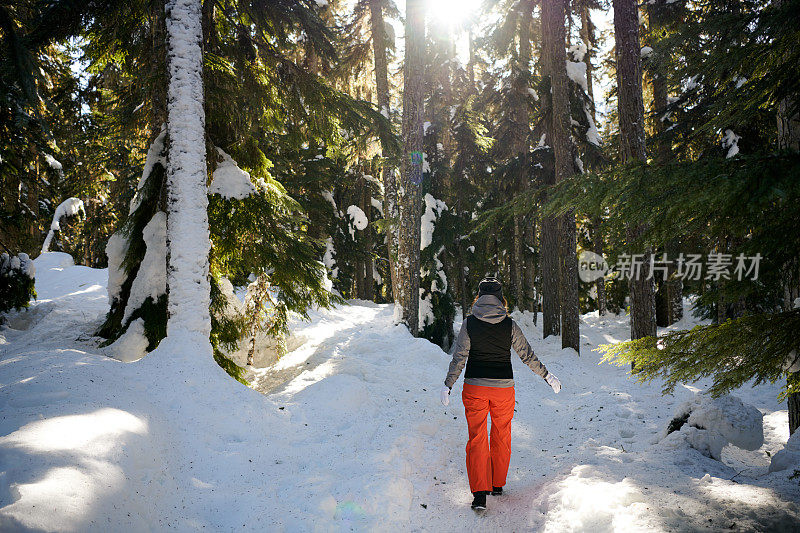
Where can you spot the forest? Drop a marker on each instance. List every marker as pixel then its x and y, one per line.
pixel 235 169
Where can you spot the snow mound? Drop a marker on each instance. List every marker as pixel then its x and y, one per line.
pixel 709 424
pixel 585 501
pixel 789 456
pixel 230 181
pixel 50 260
pixel 131 346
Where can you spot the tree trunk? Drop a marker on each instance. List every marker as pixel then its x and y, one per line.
pixel 794 406
pixel 387 173
pixel 410 193
pixel 600 284
pixel 521 136
pixel 530 268
pixel 369 279
pixel 188 242
pixel 632 147
pixel 551 307
pixel 669 302
pixel 553 33
pixel 587 36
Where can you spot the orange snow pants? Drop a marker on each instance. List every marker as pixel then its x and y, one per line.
pixel 487 459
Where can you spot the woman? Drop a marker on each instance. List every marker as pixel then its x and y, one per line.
pixel 484 345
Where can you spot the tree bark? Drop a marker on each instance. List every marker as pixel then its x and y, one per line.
pixel 410 192
pixel 369 279
pixel 530 267
pixel 387 173
pixel 551 307
pixel 521 136
pixel 794 407
pixel 188 242
pixel 632 147
pixel 554 37
pixel 600 284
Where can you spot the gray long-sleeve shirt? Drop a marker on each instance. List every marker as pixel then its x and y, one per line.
pixel 490 309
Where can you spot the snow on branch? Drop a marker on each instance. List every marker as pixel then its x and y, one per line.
pixel 68 208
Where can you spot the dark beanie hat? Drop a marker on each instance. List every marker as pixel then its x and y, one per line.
pixel 490 285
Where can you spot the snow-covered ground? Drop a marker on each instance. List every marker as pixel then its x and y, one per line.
pixel 348 434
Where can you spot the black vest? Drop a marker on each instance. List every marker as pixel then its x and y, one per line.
pixel 489 349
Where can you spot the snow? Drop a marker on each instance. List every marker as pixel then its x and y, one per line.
pixel 576 70
pixel 328 195
pixel 329 258
pixel 358 220
pixel 376 204
pixel 68 208
pixel 20 262
pixel 230 181
pixel 131 345
pixel 646 51
pixel 433 210
pixel 187 216
pixel 151 278
pixel 156 154
pixel 54 163
pixel 578 51
pixel 347 433
pixel 532 92
pixel 789 457
pixel 715 422
pixel 731 141
pixel 592 135
pixel 426 315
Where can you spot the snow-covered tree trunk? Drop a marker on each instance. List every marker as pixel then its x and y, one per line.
pixel 388 176
pixel 187 202
pixel 410 193
pixel 632 147
pixel 554 37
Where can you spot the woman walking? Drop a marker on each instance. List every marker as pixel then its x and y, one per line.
pixel 484 345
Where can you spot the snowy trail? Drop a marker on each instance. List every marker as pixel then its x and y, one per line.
pixel 349 435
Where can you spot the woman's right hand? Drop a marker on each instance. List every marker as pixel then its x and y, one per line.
pixel 553 382
pixel 445 395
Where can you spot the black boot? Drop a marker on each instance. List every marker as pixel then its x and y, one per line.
pixel 479 503
pixel 497 491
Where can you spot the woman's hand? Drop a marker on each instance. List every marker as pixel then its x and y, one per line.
pixel 553 382
pixel 445 395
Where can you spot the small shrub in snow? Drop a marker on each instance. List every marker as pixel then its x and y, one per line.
pixel 17 284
